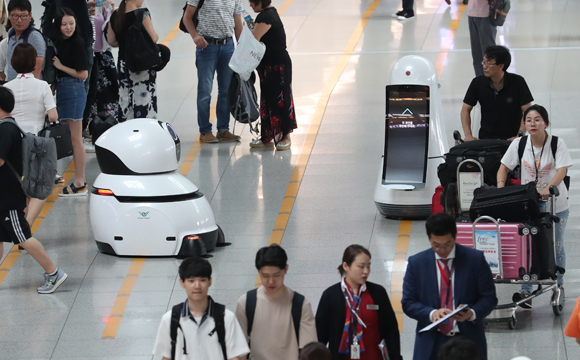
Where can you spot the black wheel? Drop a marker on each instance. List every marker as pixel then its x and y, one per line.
pixel 558 309
pixel 512 323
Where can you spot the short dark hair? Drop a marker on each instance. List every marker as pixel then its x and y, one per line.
pixel 24 58
pixel 22 5
pixel 500 54
pixel 6 99
pixel 272 255
pixel 541 110
pixel 350 253
pixel 441 224
pixel 264 3
pixel 458 348
pixel 60 13
pixel 194 267
pixel 315 351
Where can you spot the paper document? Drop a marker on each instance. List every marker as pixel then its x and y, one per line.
pixel 451 314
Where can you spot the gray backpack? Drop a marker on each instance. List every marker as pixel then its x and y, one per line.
pixel 38 164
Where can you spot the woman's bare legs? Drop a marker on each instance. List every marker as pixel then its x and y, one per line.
pixel 79 155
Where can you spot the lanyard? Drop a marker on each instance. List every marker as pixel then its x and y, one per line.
pixel 537 165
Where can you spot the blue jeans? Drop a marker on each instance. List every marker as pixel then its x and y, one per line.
pixel 209 60
pixel 559 239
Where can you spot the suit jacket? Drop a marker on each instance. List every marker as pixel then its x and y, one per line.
pixel 331 314
pixel 473 285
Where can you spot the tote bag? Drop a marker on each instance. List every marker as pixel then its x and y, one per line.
pixel 247 55
pixel 60 132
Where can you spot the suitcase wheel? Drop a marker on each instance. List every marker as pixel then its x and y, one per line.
pixel 512 323
pixel 526 277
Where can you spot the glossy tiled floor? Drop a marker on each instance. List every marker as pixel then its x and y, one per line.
pixel 334 205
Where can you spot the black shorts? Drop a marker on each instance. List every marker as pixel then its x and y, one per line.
pixel 14 227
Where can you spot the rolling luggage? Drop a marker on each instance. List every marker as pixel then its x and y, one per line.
pixel 516 248
pixel 511 203
pixel 543 259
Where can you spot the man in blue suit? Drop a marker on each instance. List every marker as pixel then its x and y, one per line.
pixel 442 278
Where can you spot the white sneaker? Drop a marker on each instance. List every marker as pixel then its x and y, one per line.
pixel 89 148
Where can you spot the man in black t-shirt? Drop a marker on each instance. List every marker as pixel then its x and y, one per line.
pixel 503 98
pixel 13 225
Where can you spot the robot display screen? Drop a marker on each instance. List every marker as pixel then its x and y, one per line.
pixel 407 135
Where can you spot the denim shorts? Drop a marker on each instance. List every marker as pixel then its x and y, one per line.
pixel 71 98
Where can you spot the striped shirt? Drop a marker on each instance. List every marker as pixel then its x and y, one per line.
pixel 216 17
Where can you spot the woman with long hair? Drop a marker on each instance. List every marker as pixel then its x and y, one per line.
pixel 355 315
pixel 72 66
pixel 137 90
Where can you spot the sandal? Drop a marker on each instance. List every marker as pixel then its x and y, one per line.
pixel 75 191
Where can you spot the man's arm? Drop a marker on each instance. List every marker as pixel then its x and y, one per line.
pixel 485 288
pixel 412 305
pixel 522 125
pixel 38 67
pixel 466 122
pixel 238 26
pixel 199 41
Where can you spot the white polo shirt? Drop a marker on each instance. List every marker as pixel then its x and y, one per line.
pixel 33 99
pixel 201 339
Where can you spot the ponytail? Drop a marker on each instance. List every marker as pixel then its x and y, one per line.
pixel 119 20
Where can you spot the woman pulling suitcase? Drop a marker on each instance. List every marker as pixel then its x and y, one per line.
pixel 545 160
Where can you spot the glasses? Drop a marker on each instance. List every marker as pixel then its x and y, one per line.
pixel 21 17
pixel 485 64
pixel 436 246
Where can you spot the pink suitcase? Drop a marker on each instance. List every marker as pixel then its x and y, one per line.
pixel 516 248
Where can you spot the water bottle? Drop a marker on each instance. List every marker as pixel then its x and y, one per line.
pixel 248 19
pixel 99 21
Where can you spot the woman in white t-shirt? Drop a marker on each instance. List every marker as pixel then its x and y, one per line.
pixel 538 164
pixel 33 100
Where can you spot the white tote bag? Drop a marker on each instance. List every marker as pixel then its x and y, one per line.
pixel 247 55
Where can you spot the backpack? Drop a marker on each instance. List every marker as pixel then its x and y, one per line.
pixel 195 17
pixel 218 311
pixel 297 301
pixel 553 146
pixel 38 164
pixel 243 101
pixel 141 53
pixel 498 11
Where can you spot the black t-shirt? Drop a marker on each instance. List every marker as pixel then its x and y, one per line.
pixel 72 53
pixel 130 18
pixel 12 196
pixel 501 111
pixel 274 38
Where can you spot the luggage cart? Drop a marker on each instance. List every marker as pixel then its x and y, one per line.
pixel 492 251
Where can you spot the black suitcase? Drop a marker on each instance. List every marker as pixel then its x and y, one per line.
pixel 517 203
pixel 543 257
pixel 487 152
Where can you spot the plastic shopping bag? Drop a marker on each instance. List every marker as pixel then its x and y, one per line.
pixel 247 55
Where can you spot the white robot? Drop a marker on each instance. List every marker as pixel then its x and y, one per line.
pixel 415 141
pixel 140 205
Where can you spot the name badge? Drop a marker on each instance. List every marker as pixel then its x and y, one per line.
pixel 355 351
pixel 372 307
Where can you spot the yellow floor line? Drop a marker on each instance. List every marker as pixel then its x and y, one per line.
pixel 400 260
pixel 302 162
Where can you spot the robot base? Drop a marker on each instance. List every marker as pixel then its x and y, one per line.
pixel 408 212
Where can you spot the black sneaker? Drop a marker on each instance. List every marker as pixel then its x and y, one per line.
pixel 405 15
pixel 398 13
pixel 522 295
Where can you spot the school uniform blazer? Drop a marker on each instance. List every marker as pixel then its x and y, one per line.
pixel 331 314
pixel 473 285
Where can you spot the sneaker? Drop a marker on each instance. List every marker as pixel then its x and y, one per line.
pixel 227 136
pixel 208 138
pixel 258 144
pixel 522 294
pixel 51 283
pixel 398 13
pixel 89 148
pixel 405 16
pixel 284 145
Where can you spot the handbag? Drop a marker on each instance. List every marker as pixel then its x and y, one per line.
pixel 60 132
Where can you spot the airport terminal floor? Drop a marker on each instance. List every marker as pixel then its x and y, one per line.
pixel 316 198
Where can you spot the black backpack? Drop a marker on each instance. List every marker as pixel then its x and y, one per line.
pixel 243 101
pixel 297 302
pixel 218 314
pixel 498 11
pixel 141 53
pixel 553 146
pixel 195 17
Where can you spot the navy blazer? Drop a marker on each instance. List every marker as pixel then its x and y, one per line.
pixel 473 285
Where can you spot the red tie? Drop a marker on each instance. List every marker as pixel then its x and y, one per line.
pixel 446 294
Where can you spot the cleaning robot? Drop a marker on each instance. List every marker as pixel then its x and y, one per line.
pixel 140 205
pixel 415 141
